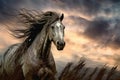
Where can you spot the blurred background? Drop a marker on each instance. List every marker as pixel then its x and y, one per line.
pixel 92 28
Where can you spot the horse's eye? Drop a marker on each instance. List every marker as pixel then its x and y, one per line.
pixel 52 27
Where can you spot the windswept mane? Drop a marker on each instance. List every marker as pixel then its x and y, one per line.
pixel 34 22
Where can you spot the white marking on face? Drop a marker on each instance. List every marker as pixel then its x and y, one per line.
pixel 58 24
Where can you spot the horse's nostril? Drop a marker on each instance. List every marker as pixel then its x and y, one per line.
pixel 58 42
pixel 61 43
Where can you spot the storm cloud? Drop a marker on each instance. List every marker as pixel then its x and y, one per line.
pixel 102 30
pixel 10 8
pixel 92 7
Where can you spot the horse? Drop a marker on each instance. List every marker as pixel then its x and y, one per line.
pixel 32 59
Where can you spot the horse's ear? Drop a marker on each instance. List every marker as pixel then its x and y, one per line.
pixel 61 17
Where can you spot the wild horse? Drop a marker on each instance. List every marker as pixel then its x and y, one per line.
pixel 32 59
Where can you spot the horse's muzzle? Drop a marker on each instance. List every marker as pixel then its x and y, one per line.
pixel 60 45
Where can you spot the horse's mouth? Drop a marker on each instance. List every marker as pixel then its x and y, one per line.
pixel 60 47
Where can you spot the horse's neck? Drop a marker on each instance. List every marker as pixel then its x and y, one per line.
pixel 41 45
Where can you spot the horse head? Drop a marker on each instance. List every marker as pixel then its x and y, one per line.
pixel 56 33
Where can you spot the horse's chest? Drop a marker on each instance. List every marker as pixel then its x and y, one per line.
pixel 34 64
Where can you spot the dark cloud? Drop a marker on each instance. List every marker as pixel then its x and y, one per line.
pixel 86 6
pixel 115 1
pixel 103 30
pixel 91 7
pixel 9 8
pixel 97 28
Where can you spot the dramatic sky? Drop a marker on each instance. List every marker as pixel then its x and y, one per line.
pixel 92 27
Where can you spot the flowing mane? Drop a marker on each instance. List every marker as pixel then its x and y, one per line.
pixel 34 22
